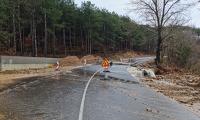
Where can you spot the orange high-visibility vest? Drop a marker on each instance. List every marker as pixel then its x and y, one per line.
pixel 105 64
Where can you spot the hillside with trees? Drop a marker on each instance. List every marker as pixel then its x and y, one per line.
pixel 56 28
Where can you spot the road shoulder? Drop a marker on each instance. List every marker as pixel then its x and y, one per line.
pixel 11 78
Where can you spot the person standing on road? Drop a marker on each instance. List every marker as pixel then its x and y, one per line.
pixel 106 64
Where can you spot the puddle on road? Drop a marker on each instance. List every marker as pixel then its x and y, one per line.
pixel 101 76
pixel 49 97
pixel 122 80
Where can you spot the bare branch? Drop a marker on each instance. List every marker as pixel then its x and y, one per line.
pixel 171 6
pixel 160 14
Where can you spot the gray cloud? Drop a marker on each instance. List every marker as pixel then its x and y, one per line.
pixel 122 8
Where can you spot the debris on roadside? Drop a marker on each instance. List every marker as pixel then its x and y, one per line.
pixel 70 61
pixel 140 72
pixel 136 72
pixel 91 59
pixel 149 73
pixel 148 110
pixel 173 82
pixel 183 88
pixel 152 110
pixel 179 85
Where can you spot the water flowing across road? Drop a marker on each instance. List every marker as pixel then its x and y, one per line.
pixel 58 97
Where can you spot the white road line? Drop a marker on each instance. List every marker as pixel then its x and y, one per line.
pixel 84 94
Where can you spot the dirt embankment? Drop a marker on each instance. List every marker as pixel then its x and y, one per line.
pixel 123 55
pixel 178 84
pixel 91 59
pixel 69 61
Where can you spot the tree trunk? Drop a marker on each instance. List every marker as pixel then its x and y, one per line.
pixel 32 38
pixel 54 41
pixel 45 34
pixel 14 33
pixel 20 39
pixel 85 40
pixel 23 41
pixel 35 35
pixel 20 33
pixel 74 36
pixel 82 40
pixel 70 38
pixel 64 41
pixel 35 39
pixel 90 42
pixel 158 50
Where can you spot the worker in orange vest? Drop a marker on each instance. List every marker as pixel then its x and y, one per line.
pixel 106 64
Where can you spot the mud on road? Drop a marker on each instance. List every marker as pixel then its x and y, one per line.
pixel 58 96
pixel 181 86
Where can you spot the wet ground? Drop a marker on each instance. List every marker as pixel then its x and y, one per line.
pixel 58 97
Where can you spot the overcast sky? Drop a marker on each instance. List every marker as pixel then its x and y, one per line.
pixel 121 7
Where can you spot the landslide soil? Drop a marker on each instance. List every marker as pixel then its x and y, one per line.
pixel 178 84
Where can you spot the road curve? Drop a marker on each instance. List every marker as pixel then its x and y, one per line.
pixel 58 97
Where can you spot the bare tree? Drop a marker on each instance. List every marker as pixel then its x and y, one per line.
pixel 159 14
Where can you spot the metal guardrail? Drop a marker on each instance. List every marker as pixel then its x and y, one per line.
pixel 27 60
pixel 18 62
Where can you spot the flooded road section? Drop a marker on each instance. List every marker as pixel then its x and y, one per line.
pixel 58 97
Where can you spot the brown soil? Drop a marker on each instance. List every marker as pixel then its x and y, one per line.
pixel 182 86
pixel 70 60
pixel 128 54
pixel 74 60
pixel 10 77
pixel 90 59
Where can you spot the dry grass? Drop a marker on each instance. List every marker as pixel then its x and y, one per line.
pixel 181 86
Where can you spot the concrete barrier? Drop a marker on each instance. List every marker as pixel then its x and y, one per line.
pixel 19 63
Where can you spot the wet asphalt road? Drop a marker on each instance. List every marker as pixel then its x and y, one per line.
pixel 58 97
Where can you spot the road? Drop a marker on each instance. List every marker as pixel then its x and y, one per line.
pixel 58 97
